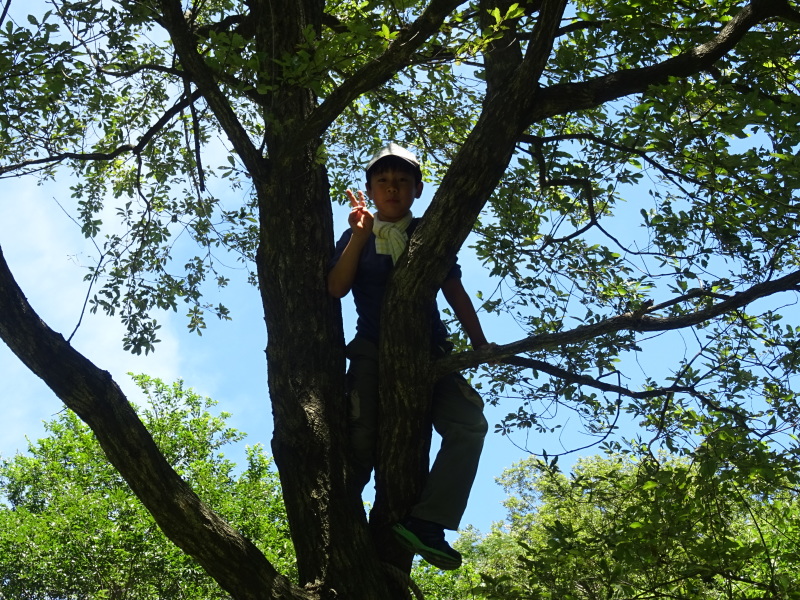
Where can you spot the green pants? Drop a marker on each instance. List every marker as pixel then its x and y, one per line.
pixel 457 413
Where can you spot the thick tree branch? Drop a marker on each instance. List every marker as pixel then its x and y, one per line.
pixel 641 321
pixel 232 560
pixel 571 97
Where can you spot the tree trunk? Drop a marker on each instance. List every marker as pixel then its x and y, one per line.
pixel 305 357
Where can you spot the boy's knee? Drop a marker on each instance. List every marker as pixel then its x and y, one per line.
pixel 476 428
pixel 468 427
pixel 482 426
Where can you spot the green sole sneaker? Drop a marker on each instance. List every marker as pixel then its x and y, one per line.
pixel 437 557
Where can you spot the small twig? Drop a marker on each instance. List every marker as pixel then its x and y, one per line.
pixel 201 179
pixel 5 11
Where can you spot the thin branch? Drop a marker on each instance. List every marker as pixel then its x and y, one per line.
pixel 544 183
pixel 643 154
pixel 201 179
pixel 585 380
pixel 641 321
pixel 5 11
pixel 131 71
pixel 61 156
pixel 94 277
pixel 579 25
pixel 105 156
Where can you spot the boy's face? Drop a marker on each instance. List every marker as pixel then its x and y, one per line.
pixel 393 193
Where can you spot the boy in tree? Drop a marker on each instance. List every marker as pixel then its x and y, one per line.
pixel 364 258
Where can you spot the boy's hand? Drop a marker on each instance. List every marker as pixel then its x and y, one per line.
pixel 484 345
pixel 360 219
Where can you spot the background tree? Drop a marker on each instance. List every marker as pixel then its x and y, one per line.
pixel 534 119
pixel 70 527
pixel 621 527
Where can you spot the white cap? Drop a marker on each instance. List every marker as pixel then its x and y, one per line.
pixel 392 149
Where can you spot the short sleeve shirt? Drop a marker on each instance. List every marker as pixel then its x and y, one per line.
pixel 370 282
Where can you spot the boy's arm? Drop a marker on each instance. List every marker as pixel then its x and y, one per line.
pixel 460 302
pixel 343 273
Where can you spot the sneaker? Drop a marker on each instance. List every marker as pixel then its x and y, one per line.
pixel 427 539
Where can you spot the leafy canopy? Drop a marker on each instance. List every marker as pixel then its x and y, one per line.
pixel 70 527
pixel 619 527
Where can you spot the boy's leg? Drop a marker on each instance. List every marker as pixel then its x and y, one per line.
pixel 362 383
pixel 458 418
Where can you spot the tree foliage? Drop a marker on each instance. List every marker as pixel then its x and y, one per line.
pixel 72 528
pixel 630 170
pixel 621 527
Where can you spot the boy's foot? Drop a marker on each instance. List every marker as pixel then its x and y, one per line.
pixel 427 539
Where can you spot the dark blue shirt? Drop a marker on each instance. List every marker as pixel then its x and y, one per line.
pixel 369 287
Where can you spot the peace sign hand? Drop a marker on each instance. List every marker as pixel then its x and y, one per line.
pixel 360 219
